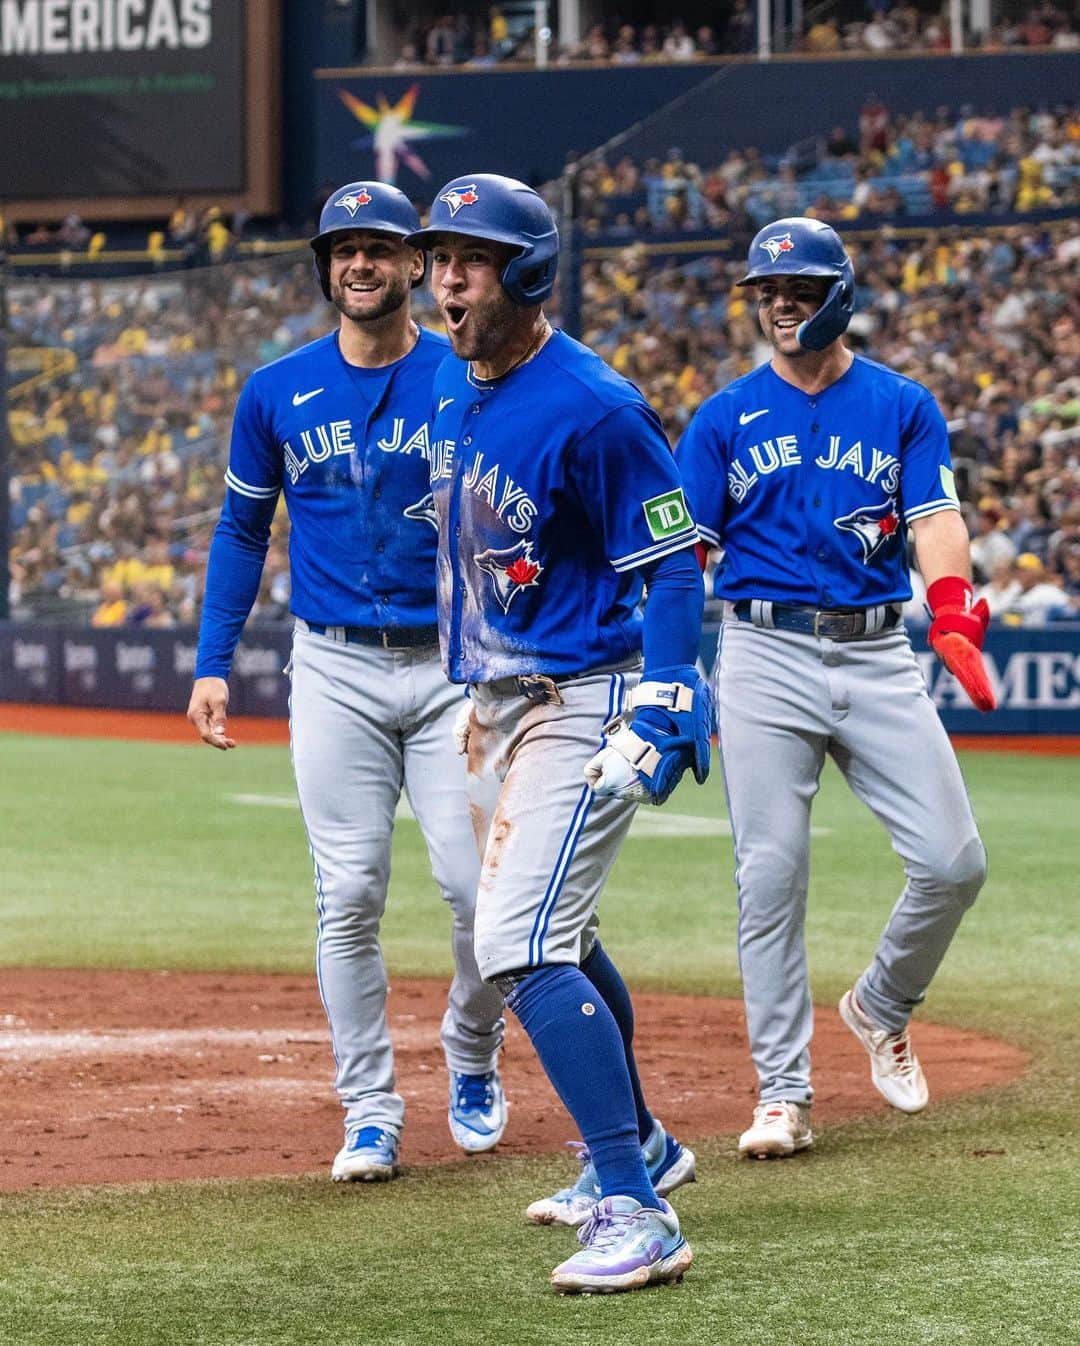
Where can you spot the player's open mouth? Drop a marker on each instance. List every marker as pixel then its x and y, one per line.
pixel 455 316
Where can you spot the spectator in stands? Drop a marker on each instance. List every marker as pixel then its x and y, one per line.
pixel 679 45
pixel 991 544
pixel 1039 599
pixel 1001 590
pixel 112 609
pixel 740 34
pixel 823 36
pixel 839 144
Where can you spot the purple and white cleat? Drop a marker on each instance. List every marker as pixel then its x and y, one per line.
pixel 627 1246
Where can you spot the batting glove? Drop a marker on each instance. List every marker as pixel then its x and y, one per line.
pixel 672 729
pixel 956 636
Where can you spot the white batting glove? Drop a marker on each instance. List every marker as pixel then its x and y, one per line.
pixel 609 773
pixel 462 725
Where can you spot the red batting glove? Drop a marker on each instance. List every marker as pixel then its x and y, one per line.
pixel 956 636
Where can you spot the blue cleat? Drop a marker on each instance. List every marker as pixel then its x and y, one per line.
pixel 668 1164
pixel 627 1246
pixel 369 1154
pixel 478 1111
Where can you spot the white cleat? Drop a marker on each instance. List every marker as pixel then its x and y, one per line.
pixel 778 1130
pixel 894 1067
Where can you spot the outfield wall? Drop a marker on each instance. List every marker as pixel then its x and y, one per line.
pixel 1034 671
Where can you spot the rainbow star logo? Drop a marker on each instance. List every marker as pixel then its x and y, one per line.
pixel 392 132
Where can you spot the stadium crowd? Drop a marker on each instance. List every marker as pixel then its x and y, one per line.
pixel 481 38
pixel 889 167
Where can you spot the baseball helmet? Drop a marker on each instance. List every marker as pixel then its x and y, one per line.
pixel 361 205
pixel 501 210
pixel 802 247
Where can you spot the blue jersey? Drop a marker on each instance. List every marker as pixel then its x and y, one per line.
pixel 553 485
pixel 349 448
pixel 810 495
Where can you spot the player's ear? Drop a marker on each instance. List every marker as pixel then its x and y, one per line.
pixel 419 266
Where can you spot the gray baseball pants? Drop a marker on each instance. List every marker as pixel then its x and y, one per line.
pixel 785 700
pixel 365 723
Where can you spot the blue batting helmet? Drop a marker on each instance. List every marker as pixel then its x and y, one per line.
pixel 501 210
pixel 802 247
pixel 361 205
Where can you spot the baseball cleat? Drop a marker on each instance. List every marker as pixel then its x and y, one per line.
pixel 669 1165
pixel 894 1067
pixel 627 1246
pixel 478 1109
pixel 778 1129
pixel 369 1154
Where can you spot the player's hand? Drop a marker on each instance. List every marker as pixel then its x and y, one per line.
pixel 670 734
pixel 609 773
pixel 956 636
pixel 462 726
pixel 206 711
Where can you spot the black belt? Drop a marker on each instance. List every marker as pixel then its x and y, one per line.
pixel 832 623
pixel 389 637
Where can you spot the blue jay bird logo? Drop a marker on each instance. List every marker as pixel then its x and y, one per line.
pixel 423 511
pixel 511 569
pixel 873 525
pixel 780 243
pixel 457 197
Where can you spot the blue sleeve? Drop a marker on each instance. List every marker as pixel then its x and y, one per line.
pixel 671 632
pixel 700 459
pixel 238 550
pixel 629 487
pixel 926 479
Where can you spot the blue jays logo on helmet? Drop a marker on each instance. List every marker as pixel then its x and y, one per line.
pixel 805 247
pixel 776 246
pixel 501 210
pixel 352 201
pixel 512 569
pixel 873 525
pixel 457 197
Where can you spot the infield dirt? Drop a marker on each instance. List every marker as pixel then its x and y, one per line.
pixel 135 1076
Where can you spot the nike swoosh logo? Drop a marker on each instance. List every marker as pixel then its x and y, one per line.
pixel 298 399
pixel 747 416
pixel 444 402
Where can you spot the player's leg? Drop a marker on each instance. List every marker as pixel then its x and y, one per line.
pixel 771 696
pixel 896 756
pixel 472 1027
pixel 347 760
pixel 668 1163
pixel 551 846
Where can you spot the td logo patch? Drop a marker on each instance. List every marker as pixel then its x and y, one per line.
pixel 667 514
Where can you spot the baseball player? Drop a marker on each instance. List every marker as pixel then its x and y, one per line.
pixel 810 472
pixel 556 494
pixel 341 428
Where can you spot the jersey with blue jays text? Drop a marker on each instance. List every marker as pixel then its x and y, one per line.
pixel 349 448
pixel 553 485
pixel 810 495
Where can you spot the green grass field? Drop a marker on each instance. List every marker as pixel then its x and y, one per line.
pixel 962 1228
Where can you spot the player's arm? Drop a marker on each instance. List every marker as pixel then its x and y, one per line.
pixel 943 552
pixel 627 475
pixel 233 571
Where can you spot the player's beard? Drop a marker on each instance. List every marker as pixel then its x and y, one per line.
pixel 374 305
pixel 489 325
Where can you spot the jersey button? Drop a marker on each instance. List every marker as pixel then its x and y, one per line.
pixel 380 547
pixel 476 409
pixel 376 494
pixel 457 530
pixel 823 553
pixel 467 439
pixel 826 595
pixel 817 501
pixel 815 427
pixel 812 403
